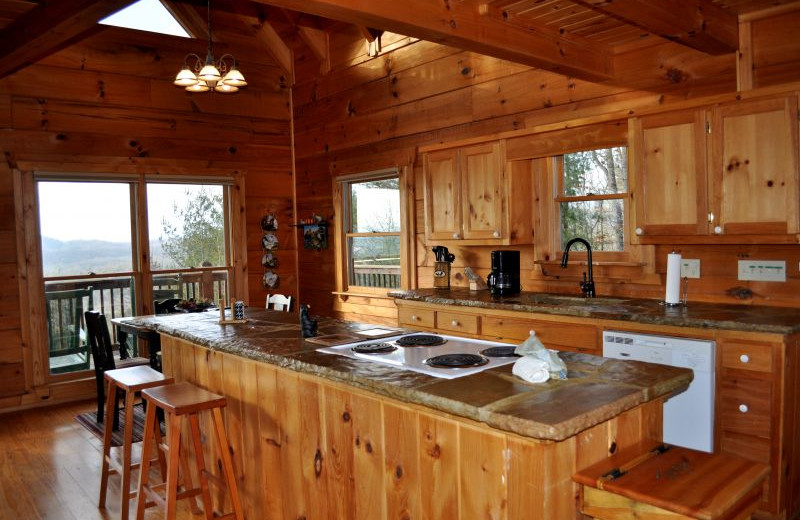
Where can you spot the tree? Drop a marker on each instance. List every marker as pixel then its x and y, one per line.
pixel 196 234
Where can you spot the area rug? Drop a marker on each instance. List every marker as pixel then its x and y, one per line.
pixel 89 421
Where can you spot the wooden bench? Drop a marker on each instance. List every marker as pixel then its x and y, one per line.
pixel 667 482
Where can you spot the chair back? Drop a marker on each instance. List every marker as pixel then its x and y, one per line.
pixel 279 302
pixel 65 322
pixel 100 341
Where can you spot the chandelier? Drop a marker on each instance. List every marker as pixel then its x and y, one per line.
pixel 201 76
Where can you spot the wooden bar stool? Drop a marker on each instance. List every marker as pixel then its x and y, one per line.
pixel 178 401
pixel 130 381
pixel 669 482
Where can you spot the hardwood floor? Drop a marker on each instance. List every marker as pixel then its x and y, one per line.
pixel 50 468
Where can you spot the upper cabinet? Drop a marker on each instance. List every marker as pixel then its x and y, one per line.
pixel 754 167
pixel 470 196
pixel 729 172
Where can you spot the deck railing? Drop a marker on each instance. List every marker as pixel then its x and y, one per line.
pixel 387 276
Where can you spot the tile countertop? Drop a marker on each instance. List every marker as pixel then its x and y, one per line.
pixel 749 318
pixel 597 388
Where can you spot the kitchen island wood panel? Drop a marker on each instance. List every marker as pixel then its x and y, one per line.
pixel 306 447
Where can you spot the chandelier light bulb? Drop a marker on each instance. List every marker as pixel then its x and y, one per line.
pixel 200 86
pixel 226 88
pixel 234 78
pixel 185 78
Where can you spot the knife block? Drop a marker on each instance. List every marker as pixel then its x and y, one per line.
pixel 441 275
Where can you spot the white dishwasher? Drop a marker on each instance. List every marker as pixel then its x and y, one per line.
pixel 688 416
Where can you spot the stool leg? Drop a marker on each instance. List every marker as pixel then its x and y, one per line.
pixel 144 467
pixel 227 464
pixel 174 443
pixel 126 457
pixel 107 431
pixel 201 465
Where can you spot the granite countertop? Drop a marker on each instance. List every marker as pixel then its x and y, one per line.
pixel 596 390
pixel 750 318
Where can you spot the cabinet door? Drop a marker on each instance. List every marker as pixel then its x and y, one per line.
pixel 482 192
pixel 670 160
pixel 754 171
pixel 442 195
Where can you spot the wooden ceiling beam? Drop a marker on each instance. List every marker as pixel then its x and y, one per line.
pixel 461 24
pixel 270 41
pixel 319 43
pixel 190 19
pixel 48 27
pixel 698 24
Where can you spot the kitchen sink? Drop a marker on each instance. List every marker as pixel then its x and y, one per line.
pixel 562 300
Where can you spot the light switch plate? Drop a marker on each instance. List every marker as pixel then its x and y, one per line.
pixel 762 270
pixel 690 268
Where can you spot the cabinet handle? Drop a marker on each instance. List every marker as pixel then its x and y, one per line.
pixel 496 234
pixel 718 230
pixel 414 317
pixel 454 323
pixel 456 236
pixel 639 231
pixel 744 358
pixel 743 408
pixel 710 217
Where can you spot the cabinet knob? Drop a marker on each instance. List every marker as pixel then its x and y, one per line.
pixel 454 323
pixel 414 317
pixel 639 231
pixel 496 234
pixel 743 408
pixel 718 230
pixel 744 358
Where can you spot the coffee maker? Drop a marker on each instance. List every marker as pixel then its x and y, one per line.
pixel 504 278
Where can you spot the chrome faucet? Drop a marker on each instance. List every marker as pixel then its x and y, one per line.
pixel 587 286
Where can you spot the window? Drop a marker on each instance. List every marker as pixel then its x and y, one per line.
pixel 372 230
pixel 592 195
pixel 147 15
pixel 92 248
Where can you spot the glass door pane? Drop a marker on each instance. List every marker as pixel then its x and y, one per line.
pixel 85 230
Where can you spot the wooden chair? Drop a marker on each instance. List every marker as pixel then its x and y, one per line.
pixel 65 327
pixel 102 349
pixel 279 302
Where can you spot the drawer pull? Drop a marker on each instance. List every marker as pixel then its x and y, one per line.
pixel 744 358
pixel 456 236
pixel 718 230
pixel 414 317
pixel 454 323
pixel 639 231
pixel 743 408
pixel 496 234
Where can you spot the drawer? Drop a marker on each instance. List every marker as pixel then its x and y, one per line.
pixel 558 336
pixel 751 448
pixel 457 322
pixel 745 406
pixel 415 317
pixel 747 356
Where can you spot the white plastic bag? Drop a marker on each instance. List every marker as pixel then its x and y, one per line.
pixel 533 347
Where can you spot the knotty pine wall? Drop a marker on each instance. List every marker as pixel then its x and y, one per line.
pixel 107 105
pixel 371 113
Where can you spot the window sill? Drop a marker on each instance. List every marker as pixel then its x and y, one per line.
pixel 382 294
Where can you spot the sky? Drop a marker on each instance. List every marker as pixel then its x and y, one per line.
pixel 146 15
pixel 100 210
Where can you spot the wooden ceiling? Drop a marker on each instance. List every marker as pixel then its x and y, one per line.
pixel 578 38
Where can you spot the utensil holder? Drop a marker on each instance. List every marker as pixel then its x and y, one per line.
pixel 441 275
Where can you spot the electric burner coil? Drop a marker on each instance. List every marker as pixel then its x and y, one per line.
pixel 420 340
pixel 500 351
pixel 456 361
pixel 374 348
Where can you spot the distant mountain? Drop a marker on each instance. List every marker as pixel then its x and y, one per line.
pixel 81 257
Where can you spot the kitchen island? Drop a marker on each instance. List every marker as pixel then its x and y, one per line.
pixel 316 435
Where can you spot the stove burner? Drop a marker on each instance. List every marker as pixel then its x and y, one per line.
pixel 374 348
pixel 420 340
pixel 456 361
pixel 500 351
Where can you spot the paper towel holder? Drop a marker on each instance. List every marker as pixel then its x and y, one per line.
pixel 684 291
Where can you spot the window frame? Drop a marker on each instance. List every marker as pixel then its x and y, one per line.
pixel 343 234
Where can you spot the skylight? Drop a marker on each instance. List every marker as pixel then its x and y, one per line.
pixel 147 15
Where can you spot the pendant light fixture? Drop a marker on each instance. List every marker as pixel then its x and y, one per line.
pixel 202 76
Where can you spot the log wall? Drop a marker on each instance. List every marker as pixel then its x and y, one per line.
pixel 371 113
pixel 107 105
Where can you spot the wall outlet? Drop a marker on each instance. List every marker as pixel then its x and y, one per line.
pixel 690 268
pixel 762 270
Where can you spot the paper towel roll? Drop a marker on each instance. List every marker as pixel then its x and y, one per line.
pixel 673 294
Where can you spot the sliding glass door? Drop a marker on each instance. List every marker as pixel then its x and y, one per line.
pixel 105 248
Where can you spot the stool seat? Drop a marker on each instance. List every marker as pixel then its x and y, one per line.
pixel 662 479
pixel 183 398
pixel 129 380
